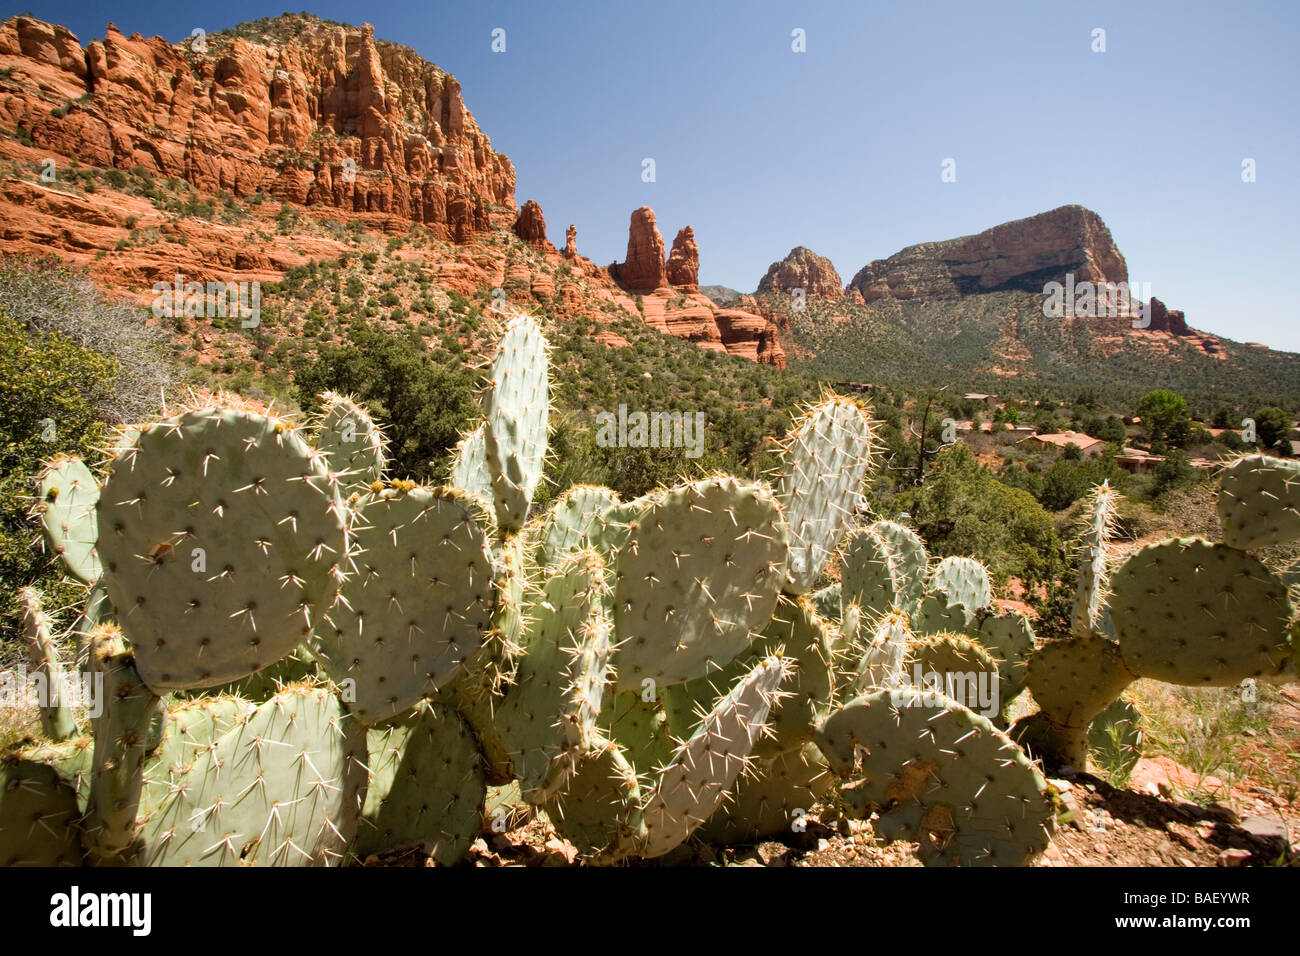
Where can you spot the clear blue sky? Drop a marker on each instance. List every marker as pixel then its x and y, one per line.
pixel 839 148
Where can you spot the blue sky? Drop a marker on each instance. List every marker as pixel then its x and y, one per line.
pixel 840 148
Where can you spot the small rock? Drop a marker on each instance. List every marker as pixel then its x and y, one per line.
pixel 479 846
pixel 772 854
pixel 1060 784
pixel 823 845
pixel 562 849
pixel 1233 857
pixel 1266 828
pixel 501 842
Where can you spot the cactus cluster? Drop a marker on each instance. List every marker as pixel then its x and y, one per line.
pixel 307 661
pixel 1183 611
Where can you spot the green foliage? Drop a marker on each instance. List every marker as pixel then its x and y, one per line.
pixel 1272 424
pixel 962 509
pixel 423 404
pixel 48 387
pixel 1164 416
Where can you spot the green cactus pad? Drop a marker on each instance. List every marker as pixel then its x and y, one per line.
pixel 257 501
pixel 43 657
pixel 547 718
pixel 1095 561
pixel 804 640
pixel 885 568
pixel 964 582
pixel 824 462
pixel 516 406
pixel 940 776
pixel 934 615
pixel 693 782
pixel 828 602
pixel 775 801
pixel 700 571
pixel 72 759
pixel 1056 746
pixel 417 603
pixel 469 467
pixel 1191 612
pixel 504 810
pixel 426 789
pixel 354 444
pixel 271 791
pixel 38 816
pixel 599 812
pixel 1076 679
pixel 125 733
pixel 884 661
pixel 1259 502
pixel 959 668
pixel 614 525
pixel 567 524
pixel 1009 639
pixel 66 496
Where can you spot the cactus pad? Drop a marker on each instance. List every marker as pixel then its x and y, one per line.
pixel 469 467
pixel 516 406
pixel 417 603
pixel 569 520
pixel 774 801
pixel 940 776
pixel 1259 502
pixel 66 497
pixel 701 570
pixel 547 718
pixel 1076 679
pixel 220 531
pixel 354 444
pixel 964 582
pixel 825 460
pixel 1191 612
pixel 426 788
pixel 38 815
pixel 271 791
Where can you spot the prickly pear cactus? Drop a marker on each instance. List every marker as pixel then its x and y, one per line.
pixel 225 520
pixel 426 788
pixel 125 732
pixel 828 602
pixel 940 776
pixel 516 406
pixel 695 779
pixel 1191 612
pixel 964 582
pixel 272 791
pixel 699 572
pixel 1115 737
pixel 547 718
pixel 1009 639
pixel 417 602
pixel 65 503
pixel 38 816
pixel 567 524
pixel 1095 561
pixel 43 656
pixel 469 467
pixel 884 661
pixel 1259 501
pixel 353 443
pixel 885 568
pixel 957 667
pixel 599 812
pixel 774 801
pixel 825 459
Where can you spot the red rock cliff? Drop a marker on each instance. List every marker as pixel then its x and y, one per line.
pixel 320 115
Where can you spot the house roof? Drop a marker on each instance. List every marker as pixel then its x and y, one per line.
pixel 1061 439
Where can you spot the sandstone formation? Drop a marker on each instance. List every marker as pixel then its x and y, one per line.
pixel 643 269
pixel 1024 254
pixel 684 261
pixel 531 225
pixel 803 269
pixel 571 241
pixel 1167 320
pixel 325 115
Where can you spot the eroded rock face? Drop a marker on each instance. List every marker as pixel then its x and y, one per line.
pixel 571 241
pixel 531 224
pixel 325 116
pixel 643 270
pixel 1024 254
pixel 803 269
pixel 1167 320
pixel 684 261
